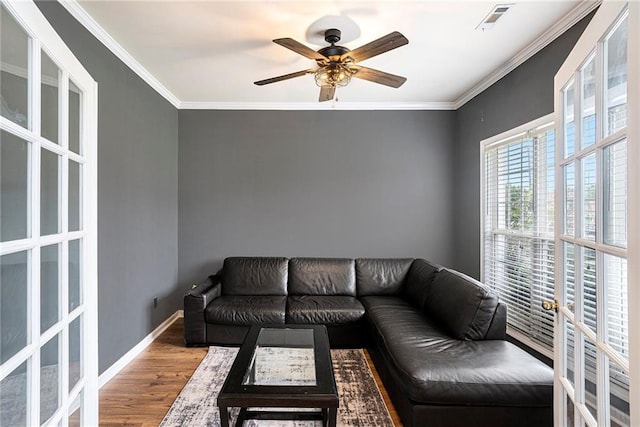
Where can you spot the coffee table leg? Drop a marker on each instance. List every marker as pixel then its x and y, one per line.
pixel 333 417
pixel 224 416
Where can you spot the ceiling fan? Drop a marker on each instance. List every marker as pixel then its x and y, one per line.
pixel 337 64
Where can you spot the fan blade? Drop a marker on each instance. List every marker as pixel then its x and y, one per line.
pixel 377 76
pixel 376 47
pixel 301 49
pixel 326 93
pixel 284 77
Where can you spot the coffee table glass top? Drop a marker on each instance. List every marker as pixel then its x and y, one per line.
pixel 282 357
pixel 278 367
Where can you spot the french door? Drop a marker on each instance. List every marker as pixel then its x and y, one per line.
pixel 48 280
pixel 597 240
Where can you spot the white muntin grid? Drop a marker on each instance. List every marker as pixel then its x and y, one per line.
pixel 43 39
pixel 590 342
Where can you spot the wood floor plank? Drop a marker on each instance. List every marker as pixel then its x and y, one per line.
pixel 142 393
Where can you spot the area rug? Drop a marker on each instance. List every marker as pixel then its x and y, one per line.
pixel 361 404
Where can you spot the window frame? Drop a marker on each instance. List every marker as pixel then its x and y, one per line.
pixel 546 121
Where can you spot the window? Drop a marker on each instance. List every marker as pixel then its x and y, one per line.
pixel 518 227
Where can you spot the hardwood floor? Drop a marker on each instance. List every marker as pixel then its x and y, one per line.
pixel 142 393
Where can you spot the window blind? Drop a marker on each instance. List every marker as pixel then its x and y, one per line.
pixel 518 232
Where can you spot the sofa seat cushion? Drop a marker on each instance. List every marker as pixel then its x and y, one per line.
pixel 437 369
pixel 247 310
pixel 328 310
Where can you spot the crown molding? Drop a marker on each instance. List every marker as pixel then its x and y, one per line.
pixel 74 8
pixel 576 14
pixel 317 106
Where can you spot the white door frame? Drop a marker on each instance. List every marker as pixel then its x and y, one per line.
pixel 43 36
pixel 633 200
pixel 607 14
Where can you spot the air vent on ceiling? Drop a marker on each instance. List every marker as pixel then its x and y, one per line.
pixel 496 13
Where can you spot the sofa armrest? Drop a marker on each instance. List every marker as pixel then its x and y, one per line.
pixel 498 328
pixel 195 302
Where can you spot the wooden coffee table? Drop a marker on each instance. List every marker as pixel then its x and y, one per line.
pixel 280 367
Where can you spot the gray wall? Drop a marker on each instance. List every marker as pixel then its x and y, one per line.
pixel 306 183
pixel 313 183
pixel 137 195
pixel 523 95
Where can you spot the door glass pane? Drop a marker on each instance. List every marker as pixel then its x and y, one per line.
pixel 618 397
pixel 590 393
pixel 49 287
pixel 569 125
pixel 75 183
pixel 615 194
pixel 616 85
pixel 75 277
pixel 13 398
pixel 49 103
pixel 75 412
pixel 75 352
pixel 14 70
pixel 49 193
pixel 570 199
pixel 569 275
pixel 615 280
pixel 74 118
pixel 589 197
pixel 588 98
pixel 571 351
pixel 570 421
pixel 14 281
pixel 14 187
pixel 589 287
pixel 49 378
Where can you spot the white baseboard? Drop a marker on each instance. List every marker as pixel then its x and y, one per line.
pixel 135 351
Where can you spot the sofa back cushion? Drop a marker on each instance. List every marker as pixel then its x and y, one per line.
pixel 322 276
pixel 419 279
pixel 461 305
pixel 385 276
pixel 254 276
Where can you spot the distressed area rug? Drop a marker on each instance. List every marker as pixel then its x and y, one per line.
pixel 361 403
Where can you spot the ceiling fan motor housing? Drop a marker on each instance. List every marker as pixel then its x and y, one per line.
pixel 333 50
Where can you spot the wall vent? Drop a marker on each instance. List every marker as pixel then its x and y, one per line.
pixel 492 17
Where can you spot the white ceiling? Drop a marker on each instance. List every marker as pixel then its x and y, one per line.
pixel 209 53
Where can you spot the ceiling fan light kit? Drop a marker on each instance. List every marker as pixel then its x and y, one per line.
pixel 336 65
pixel 333 75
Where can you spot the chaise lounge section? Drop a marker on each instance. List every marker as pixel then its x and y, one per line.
pixel 436 336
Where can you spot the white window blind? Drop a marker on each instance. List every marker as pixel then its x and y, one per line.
pixel 518 229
